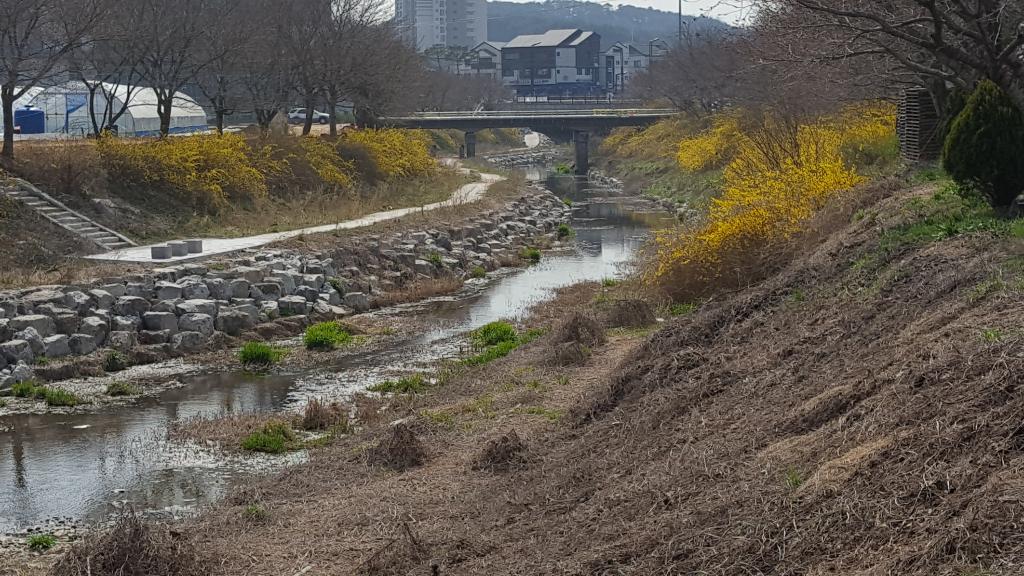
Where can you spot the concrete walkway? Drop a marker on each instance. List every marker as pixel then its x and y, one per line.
pixel 212 246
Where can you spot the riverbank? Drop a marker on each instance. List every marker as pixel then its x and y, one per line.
pixel 62 334
pixel 862 398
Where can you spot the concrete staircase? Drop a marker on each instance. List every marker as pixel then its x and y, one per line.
pixel 56 212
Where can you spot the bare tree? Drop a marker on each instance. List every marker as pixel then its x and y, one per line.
pixel 939 42
pixel 107 67
pixel 35 38
pixel 229 42
pixel 172 40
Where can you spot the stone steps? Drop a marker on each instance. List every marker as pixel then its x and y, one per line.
pixel 56 212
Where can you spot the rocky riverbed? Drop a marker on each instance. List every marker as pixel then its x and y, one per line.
pixel 59 332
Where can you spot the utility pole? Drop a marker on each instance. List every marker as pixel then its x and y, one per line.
pixel 680 23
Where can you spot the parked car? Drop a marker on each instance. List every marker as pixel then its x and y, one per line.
pixel 298 116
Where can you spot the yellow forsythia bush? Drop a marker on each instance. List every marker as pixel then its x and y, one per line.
pixel 776 179
pixel 397 153
pixel 660 140
pixel 324 159
pixel 204 171
pixel 712 147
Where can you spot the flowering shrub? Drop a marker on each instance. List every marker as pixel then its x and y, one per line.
pixel 660 140
pixel 712 147
pixel 206 172
pixel 777 177
pixel 397 153
pixel 324 159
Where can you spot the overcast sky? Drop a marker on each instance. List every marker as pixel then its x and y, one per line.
pixel 730 11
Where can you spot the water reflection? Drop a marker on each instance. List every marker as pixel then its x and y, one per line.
pixel 88 465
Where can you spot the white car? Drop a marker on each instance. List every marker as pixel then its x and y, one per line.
pixel 298 116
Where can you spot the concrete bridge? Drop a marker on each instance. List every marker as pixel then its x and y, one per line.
pixel 580 122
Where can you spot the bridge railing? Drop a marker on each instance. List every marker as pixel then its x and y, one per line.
pixel 534 113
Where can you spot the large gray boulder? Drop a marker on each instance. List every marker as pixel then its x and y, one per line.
pixel 160 321
pixel 201 323
pixel 131 306
pixel 96 328
pixel 292 305
pixel 307 292
pixel 35 341
pixel 101 299
pixel 238 288
pixel 44 325
pixel 78 301
pixel 198 306
pixel 270 310
pixel 5 329
pixel 150 337
pixel 267 291
pixel 192 289
pixel 17 351
pixel 82 344
pixel 249 274
pixel 357 301
pixel 218 288
pixel 46 296
pixel 122 341
pixel 168 291
pixel 56 346
pixel 183 342
pixel 234 322
pixel 125 323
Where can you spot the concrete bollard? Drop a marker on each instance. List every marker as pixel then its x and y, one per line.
pixel 194 246
pixel 178 248
pixel 160 252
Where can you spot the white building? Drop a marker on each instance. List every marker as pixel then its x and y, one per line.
pixel 429 23
pixel 485 59
pixel 66 110
pixel 621 63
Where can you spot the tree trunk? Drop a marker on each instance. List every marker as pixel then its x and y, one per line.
pixel 307 125
pixel 163 110
pixel 332 105
pixel 92 110
pixel 7 99
pixel 220 120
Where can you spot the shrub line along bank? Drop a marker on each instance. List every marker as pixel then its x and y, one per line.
pixel 188 308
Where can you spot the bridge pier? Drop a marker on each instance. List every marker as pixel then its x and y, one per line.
pixel 470 144
pixel 581 139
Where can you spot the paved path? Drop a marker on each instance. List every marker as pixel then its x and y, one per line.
pixel 212 246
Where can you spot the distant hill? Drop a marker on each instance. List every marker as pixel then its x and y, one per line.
pixel 507 20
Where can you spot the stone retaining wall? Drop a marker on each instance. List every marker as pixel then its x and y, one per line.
pixel 180 309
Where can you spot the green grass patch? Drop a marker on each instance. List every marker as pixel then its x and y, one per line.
pixel 114 361
pixel 567 202
pixel 945 215
pixel 439 417
pixel 413 384
pixel 500 350
pixel 118 389
pixel 255 513
pixel 478 272
pixel 40 542
pixel 58 397
pixel 793 479
pixel 992 335
pixel 494 333
pixel 530 254
pixel 565 231
pixel 610 282
pixel 684 309
pixel 435 259
pixel 260 354
pixel 325 336
pixel 549 414
pixel 52 396
pixel 274 438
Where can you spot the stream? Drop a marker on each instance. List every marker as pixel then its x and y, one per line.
pixel 61 469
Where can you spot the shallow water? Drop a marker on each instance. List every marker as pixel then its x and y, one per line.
pixel 87 466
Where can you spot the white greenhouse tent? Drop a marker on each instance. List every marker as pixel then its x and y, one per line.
pixel 66 108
